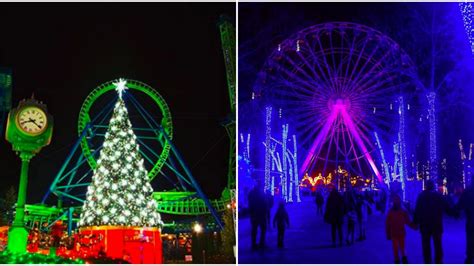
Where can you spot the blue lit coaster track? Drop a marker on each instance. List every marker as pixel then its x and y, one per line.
pixel 153 126
pixel 186 198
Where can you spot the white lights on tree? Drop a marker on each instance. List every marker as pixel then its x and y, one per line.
pixel 110 199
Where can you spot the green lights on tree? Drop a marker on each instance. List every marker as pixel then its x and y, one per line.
pixel 120 193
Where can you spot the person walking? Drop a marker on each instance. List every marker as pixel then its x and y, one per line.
pixel 362 216
pixel 269 200
pixel 429 209
pixel 281 220
pixel 319 202
pixel 334 214
pixel 258 215
pixel 466 203
pixel 397 219
pixel 351 220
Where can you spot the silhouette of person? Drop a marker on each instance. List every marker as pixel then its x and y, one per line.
pixel 258 214
pixel 466 203
pixel 319 202
pixel 281 220
pixel 334 214
pixel 429 209
pixel 351 219
pixel 269 200
pixel 383 201
pixel 362 215
pixel 397 218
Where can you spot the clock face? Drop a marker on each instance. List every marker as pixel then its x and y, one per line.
pixel 32 120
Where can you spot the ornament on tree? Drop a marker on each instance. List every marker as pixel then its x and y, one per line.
pixel 120 193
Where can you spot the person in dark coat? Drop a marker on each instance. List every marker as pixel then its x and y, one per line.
pixel 362 215
pixel 334 214
pixel 269 200
pixel 429 209
pixel 466 203
pixel 319 202
pixel 351 220
pixel 258 215
pixel 281 220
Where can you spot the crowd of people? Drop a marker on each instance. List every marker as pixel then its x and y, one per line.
pixel 352 208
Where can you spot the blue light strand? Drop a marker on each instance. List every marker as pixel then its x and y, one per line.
pixel 295 169
pixel 284 177
pixel 290 177
pixel 433 142
pixel 385 165
pixel 248 146
pixel 402 143
pixel 463 162
pixel 268 156
pixel 468 17
pixel 469 166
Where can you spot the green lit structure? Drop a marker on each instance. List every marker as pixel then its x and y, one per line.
pixel 186 199
pixel 166 122
pixel 157 149
pixel 227 31
pixel 29 129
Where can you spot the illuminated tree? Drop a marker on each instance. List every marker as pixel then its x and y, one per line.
pixel 120 193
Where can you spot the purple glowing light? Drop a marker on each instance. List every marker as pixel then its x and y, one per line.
pixel 339 109
pixel 337 82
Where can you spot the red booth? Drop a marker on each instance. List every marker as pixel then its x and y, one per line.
pixel 133 244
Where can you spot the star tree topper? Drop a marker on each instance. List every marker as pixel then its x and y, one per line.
pixel 120 87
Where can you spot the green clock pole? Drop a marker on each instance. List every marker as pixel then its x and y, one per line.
pixel 18 235
pixel 26 146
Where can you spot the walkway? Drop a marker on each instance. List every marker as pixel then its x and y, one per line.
pixel 309 241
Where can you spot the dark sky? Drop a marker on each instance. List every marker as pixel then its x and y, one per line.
pixel 61 52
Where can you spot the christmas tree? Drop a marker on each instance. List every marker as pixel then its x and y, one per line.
pixel 120 193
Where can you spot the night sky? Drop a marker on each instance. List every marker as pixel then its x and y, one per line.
pixel 61 52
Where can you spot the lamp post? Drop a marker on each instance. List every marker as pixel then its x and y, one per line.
pixel 18 235
pixel 29 128
pixel 198 229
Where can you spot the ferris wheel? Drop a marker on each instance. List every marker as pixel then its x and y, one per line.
pixel 338 83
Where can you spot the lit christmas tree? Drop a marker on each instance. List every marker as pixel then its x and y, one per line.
pixel 120 193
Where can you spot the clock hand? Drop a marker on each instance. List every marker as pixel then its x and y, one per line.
pixel 34 122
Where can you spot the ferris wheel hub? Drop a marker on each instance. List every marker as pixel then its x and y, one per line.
pixel 339 103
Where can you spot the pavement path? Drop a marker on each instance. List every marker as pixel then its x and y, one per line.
pixel 309 241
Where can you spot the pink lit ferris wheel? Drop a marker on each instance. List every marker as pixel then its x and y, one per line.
pixel 339 85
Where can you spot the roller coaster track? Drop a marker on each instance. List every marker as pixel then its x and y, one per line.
pixel 187 203
pixel 175 203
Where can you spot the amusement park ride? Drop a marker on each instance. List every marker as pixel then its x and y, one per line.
pixel 344 90
pixel 154 137
pixel 152 124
